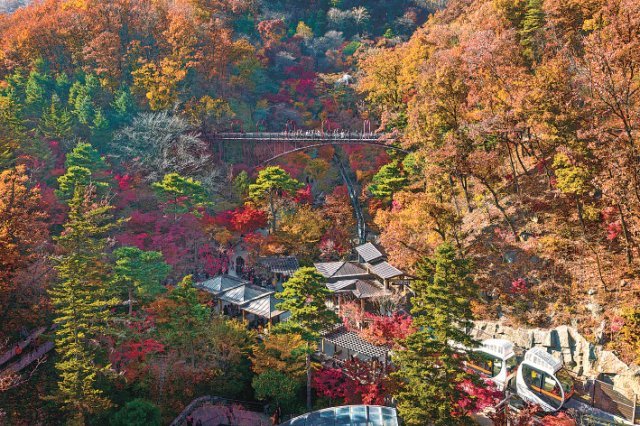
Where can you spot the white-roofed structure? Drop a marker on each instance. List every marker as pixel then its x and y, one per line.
pixel 264 307
pixel 499 348
pixel 220 284
pixel 240 296
pixel 342 344
pixel 369 278
pixel 369 253
pixel 370 289
pixel 338 270
pixel 243 294
pixel 286 265
pixel 384 270
pixel 341 284
pixel 539 358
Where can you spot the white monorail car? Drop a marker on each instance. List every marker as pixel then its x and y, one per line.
pixel 495 359
pixel 543 381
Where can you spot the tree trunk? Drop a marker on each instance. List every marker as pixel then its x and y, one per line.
pixel 193 354
pixel 542 157
pixel 453 196
pixel 524 168
pixel 272 208
pixel 586 242
pixel 634 156
pixel 130 301
pixel 467 196
pixel 627 237
pixel 580 217
pixel 598 264
pixel 513 169
pixel 502 210
pixel 308 362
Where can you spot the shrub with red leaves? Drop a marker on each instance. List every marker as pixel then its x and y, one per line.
pixel 247 219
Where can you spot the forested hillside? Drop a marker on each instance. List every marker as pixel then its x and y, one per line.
pixel 522 117
pixel 111 192
pixel 515 124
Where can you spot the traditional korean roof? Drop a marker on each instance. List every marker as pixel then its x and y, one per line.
pixel 280 265
pixel 264 307
pixel 220 284
pixel 341 284
pixel 340 269
pixel 350 340
pixel 385 270
pixel 369 253
pixel 367 289
pixel 244 293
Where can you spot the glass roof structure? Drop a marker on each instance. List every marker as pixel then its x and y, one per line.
pixel 356 415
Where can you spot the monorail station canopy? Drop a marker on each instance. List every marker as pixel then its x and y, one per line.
pixel 359 415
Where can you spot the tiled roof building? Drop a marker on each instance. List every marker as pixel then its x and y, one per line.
pixel 368 278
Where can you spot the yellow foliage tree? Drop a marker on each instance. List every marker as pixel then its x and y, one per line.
pixel 280 352
pixel 159 83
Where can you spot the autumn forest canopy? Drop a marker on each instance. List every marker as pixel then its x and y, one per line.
pixel 513 196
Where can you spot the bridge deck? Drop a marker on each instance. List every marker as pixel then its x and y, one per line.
pixel 302 136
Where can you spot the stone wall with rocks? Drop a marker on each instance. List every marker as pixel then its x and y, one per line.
pixel 579 355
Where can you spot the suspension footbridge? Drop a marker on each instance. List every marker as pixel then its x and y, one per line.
pixel 262 148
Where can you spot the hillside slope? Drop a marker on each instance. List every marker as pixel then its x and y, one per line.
pixel 524 119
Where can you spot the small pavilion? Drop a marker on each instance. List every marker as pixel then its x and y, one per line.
pixel 366 279
pixel 237 297
pixel 343 344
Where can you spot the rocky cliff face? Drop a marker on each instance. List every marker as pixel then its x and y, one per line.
pixel 8 6
pixel 579 355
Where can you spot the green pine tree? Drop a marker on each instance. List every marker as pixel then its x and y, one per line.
pixel 387 181
pixel 123 106
pixel 431 367
pixel 81 99
pixel 138 412
pixel 304 296
pixel 83 165
pixel 186 320
pixel 85 155
pixel 36 89
pixel 241 185
pixel 62 85
pixel 75 176
pixel 272 183
pixel 11 129
pixel 56 121
pixel 532 24
pixel 100 128
pixel 81 303
pixel 181 194
pixel 139 274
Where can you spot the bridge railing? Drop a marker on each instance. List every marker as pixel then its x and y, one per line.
pixel 300 135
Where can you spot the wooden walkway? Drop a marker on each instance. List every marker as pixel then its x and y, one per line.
pixel 5 357
pixel 25 357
